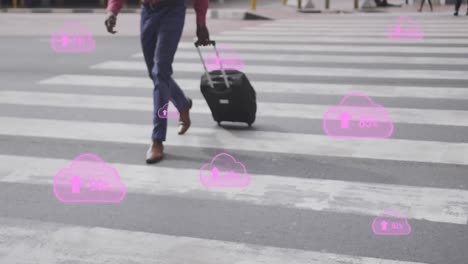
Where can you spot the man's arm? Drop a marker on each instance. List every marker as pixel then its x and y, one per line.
pixel 114 6
pixel 201 6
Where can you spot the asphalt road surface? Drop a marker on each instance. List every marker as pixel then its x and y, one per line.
pixel 311 199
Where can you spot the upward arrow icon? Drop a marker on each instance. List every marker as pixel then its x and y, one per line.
pixel 64 41
pixel 384 224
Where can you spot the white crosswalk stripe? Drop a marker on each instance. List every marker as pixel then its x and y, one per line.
pixel 49 243
pixel 300 71
pixel 246 56
pixel 422 203
pixel 269 50
pixel 394 149
pixel 266 87
pixel 391 47
pixel 336 31
pixel 345 34
pixel 330 39
pixel 434 27
pixel 440 24
pixel 304 111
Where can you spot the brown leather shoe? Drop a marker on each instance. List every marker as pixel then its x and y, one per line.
pixel 184 119
pixel 155 152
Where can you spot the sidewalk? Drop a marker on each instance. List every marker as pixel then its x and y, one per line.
pixel 269 9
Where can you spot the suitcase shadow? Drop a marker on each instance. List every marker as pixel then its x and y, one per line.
pixel 238 127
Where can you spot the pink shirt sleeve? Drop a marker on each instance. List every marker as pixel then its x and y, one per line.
pixel 201 6
pixel 115 6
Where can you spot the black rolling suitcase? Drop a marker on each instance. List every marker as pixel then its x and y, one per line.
pixel 229 93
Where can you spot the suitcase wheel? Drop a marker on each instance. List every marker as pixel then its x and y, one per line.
pixel 250 124
pixel 219 123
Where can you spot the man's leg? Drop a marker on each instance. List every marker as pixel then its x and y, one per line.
pixel 151 27
pixel 178 97
pixel 149 34
pixel 148 38
pixel 457 6
pixel 421 6
pixel 161 32
pixel 170 32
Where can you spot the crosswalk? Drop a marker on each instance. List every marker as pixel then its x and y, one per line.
pixel 311 199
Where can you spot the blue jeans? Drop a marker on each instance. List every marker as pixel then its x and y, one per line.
pixel 161 30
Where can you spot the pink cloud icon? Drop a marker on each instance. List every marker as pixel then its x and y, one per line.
pixel 230 59
pixel 224 171
pixel 168 111
pixel 405 28
pixel 72 38
pixel 357 116
pixel 89 180
pixel 391 223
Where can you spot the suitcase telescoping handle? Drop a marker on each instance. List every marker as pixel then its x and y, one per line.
pixel 212 42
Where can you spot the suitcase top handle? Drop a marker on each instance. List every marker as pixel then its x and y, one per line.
pixel 210 81
pixel 211 42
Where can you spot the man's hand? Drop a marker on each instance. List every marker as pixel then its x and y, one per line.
pixel 203 35
pixel 110 23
